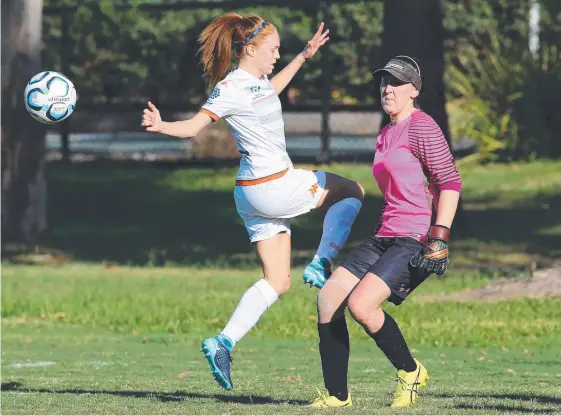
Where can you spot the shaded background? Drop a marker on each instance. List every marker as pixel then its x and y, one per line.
pixel 98 187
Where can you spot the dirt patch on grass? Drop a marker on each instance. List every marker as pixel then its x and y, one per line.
pixel 543 283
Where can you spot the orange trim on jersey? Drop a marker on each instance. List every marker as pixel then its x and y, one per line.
pixel 250 182
pixel 213 116
pixel 314 188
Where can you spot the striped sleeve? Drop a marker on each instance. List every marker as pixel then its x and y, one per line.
pixel 430 147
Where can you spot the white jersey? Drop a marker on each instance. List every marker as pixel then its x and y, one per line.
pixel 253 112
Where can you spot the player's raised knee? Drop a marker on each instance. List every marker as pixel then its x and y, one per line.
pixel 352 189
pixel 281 284
pixel 359 191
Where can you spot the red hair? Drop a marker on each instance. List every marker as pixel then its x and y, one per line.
pixel 222 42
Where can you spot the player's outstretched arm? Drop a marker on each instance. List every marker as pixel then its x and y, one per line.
pixel 152 122
pixel 281 80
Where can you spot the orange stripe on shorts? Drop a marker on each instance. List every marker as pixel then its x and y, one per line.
pixel 250 182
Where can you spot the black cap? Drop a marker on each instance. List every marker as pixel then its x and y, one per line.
pixel 403 68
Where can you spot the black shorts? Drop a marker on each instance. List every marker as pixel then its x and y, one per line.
pixel 388 258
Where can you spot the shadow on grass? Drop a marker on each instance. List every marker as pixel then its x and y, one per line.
pixel 525 400
pixel 508 409
pixel 127 213
pixel 133 214
pixel 177 396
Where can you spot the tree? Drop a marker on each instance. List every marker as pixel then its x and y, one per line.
pixel 415 28
pixel 24 188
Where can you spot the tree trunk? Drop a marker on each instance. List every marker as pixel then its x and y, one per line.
pixel 415 28
pixel 24 188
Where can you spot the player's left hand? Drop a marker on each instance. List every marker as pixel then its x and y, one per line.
pixel 434 256
pixel 319 39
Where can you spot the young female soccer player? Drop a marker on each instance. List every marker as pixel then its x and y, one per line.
pixel 414 169
pixel 269 191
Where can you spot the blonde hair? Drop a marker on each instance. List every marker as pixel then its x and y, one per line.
pixel 224 40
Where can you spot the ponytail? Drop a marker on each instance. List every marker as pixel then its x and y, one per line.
pixel 223 41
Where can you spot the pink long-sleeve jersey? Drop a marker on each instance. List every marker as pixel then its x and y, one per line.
pixel 412 164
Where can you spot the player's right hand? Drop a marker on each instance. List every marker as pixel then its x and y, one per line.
pixel 151 119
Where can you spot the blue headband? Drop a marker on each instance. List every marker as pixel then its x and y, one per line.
pixel 254 33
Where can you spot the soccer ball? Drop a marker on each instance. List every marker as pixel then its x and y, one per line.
pixel 50 97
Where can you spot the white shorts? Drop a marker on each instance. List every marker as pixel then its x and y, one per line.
pixel 266 208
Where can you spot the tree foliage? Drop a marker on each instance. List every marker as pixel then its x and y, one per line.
pixel 130 54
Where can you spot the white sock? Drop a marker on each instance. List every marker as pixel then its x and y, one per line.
pixel 255 301
pixel 337 226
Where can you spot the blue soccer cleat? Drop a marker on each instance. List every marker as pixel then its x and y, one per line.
pixel 317 272
pixel 217 352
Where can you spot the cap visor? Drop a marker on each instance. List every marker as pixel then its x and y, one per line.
pixel 384 71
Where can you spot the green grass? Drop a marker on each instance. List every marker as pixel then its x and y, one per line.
pixel 104 373
pixel 199 302
pixel 154 259
pixel 517 184
pixel 156 215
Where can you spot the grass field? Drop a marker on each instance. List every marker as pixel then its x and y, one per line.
pixel 155 259
pixel 103 373
pixel 89 339
pixel 153 215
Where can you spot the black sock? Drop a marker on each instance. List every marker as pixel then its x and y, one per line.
pixel 334 352
pixel 390 340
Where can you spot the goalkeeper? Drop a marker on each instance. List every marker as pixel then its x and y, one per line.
pixel 415 171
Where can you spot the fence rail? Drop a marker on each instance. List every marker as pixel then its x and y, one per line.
pixel 319 9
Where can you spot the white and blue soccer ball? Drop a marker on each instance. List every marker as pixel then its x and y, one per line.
pixel 50 97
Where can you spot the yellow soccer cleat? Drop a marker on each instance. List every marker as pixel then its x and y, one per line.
pixel 324 400
pixel 408 385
